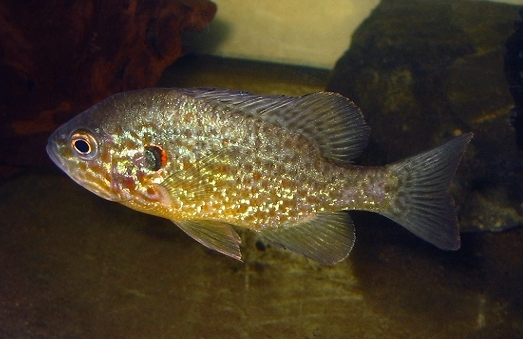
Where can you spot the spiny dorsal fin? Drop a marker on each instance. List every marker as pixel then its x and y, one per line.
pixel 330 121
pixel 326 238
pixel 215 235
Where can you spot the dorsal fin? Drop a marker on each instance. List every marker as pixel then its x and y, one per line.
pixel 330 121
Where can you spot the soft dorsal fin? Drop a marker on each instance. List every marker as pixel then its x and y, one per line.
pixel 333 123
pixel 326 238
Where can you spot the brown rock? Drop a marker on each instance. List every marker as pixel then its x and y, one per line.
pixel 59 57
pixel 425 71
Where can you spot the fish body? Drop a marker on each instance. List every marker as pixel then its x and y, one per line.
pixel 210 159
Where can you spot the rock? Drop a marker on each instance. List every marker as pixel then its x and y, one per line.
pixel 514 74
pixel 59 57
pixel 424 71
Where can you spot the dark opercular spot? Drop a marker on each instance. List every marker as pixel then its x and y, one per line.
pixel 154 157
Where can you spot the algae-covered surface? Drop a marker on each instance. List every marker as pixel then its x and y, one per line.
pixel 73 265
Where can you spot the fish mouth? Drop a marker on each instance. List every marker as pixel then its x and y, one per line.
pixel 52 152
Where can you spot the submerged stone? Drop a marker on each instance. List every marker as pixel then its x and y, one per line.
pixel 423 71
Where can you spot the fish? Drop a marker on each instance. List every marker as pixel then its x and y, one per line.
pixel 216 160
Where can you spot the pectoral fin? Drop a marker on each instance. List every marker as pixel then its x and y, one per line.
pixel 200 179
pixel 215 235
pixel 326 238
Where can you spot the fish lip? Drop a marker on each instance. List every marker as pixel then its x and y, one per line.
pixel 57 141
pixel 53 154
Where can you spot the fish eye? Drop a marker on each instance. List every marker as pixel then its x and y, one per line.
pixel 155 157
pixel 84 144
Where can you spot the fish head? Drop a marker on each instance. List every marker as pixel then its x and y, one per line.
pixel 104 151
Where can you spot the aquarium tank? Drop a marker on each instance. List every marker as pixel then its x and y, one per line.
pixel 329 108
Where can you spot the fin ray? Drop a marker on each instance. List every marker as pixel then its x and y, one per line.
pixel 215 235
pixel 327 238
pixel 424 205
pixel 331 122
pixel 199 179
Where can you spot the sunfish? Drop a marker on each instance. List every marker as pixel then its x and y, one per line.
pixel 211 160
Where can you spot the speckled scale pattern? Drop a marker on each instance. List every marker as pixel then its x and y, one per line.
pixel 207 159
pixel 224 165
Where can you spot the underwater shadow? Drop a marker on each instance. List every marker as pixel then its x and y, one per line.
pixel 412 282
pixel 208 40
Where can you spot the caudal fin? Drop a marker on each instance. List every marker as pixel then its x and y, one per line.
pixel 423 204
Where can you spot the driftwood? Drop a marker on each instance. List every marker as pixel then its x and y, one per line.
pixel 59 57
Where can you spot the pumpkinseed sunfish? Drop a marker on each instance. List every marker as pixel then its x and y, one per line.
pixel 210 159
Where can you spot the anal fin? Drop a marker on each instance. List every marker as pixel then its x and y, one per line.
pixel 326 238
pixel 215 235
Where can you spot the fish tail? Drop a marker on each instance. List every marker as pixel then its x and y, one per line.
pixel 423 203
